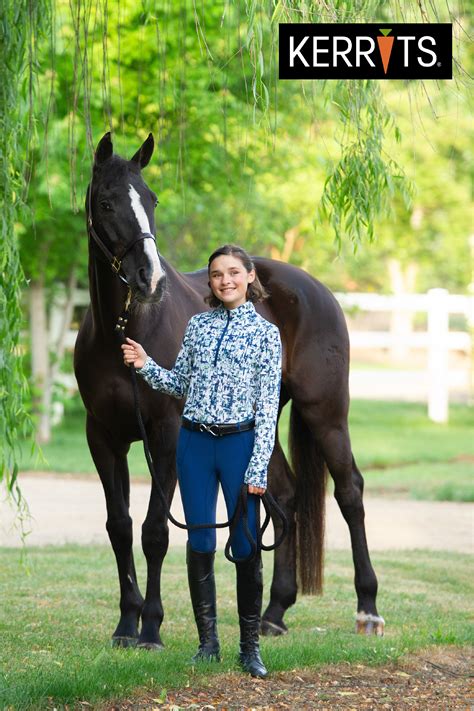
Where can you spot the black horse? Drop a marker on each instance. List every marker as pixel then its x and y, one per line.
pixel 120 209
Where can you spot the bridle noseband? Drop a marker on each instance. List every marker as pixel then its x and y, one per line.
pixel 114 261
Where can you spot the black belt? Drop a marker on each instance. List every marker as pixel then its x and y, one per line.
pixel 218 430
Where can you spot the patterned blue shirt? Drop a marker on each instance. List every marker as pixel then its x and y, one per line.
pixel 229 369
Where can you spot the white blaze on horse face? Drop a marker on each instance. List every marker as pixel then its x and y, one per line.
pixel 148 245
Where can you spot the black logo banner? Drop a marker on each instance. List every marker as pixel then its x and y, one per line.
pixel 365 51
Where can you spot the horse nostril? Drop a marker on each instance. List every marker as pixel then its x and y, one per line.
pixel 141 278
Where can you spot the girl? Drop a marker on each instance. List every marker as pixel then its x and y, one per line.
pixel 229 370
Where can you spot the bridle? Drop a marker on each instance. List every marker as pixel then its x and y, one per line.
pixel 114 261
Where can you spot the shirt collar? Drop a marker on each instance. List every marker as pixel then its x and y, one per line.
pixel 246 308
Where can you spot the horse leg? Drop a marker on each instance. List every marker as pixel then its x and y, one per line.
pixel 111 464
pixel 349 486
pixel 284 588
pixel 155 538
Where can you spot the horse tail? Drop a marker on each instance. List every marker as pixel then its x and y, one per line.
pixel 307 462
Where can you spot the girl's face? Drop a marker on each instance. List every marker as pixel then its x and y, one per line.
pixel 229 279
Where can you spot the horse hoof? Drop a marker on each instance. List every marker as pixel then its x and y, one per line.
pixel 124 642
pixel 270 629
pixel 151 646
pixel 370 624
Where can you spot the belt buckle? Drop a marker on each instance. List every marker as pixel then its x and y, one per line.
pixel 208 428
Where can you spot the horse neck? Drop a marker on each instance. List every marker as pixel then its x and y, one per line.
pixel 108 294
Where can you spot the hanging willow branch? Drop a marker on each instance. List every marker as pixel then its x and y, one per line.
pixel 22 25
pixel 361 184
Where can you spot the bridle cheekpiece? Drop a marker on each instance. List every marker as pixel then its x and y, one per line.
pixel 114 261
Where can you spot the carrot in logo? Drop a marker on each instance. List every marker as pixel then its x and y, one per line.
pixel 385 47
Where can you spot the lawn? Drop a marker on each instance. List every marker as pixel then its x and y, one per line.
pixel 399 450
pixel 436 481
pixel 58 613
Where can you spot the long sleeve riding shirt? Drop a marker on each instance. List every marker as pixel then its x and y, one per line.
pixel 229 370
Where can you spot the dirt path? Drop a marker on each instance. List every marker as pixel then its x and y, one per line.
pixel 65 509
pixel 435 680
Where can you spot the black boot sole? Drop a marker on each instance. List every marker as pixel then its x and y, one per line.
pixel 257 672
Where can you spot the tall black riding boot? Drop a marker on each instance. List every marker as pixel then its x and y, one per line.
pixel 202 588
pixel 249 604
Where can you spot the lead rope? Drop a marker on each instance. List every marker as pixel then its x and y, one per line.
pixel 268 501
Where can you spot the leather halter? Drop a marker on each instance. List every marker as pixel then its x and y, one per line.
pixel 114 261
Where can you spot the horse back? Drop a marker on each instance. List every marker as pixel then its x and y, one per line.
pixel 313 331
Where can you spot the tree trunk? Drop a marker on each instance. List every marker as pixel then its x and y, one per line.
pixel 62 311
pixel 40 360
pixel 284 255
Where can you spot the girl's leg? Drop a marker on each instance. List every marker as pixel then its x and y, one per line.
pixel 234 452
pixel 198 485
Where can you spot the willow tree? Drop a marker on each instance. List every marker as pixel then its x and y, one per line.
pixel 107 93
pixel 23 25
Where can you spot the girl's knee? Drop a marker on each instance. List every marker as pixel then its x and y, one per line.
pixel 202 541
pixel 241 549
pixel 240 544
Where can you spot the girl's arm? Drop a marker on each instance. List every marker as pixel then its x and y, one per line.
pixel 173 382
pixel 266 412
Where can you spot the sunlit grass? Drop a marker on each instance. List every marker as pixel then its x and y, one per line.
pixel 58 614
pixel 437 481
pixel 384 436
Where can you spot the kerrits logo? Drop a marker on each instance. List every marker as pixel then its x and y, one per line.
pixel 385 44
pixel 356 51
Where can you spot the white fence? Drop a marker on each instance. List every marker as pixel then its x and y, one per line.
pixel 437 340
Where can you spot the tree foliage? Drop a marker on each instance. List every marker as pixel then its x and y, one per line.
pixel 240 156
pixel 21 29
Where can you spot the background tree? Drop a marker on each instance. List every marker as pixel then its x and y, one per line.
pixel 240 155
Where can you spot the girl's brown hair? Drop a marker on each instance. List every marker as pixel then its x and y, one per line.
pixel 255 291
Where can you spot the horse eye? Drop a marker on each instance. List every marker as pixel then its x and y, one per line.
pixel 105 205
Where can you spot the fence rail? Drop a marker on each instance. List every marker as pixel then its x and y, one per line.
pixel 455 340
pixel 437 340
pixel 455 303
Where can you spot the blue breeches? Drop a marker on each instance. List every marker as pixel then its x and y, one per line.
pixel 203 462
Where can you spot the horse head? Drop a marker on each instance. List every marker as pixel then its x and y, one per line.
pixel 120 208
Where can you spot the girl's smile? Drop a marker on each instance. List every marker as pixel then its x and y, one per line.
pixel 229 280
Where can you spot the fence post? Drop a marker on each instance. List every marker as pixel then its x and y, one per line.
pixel 56 316
pixel 438 332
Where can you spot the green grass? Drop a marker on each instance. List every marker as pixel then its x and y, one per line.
pixel 388 433
pixel 384 435
pixel 436 481
pixel 57 616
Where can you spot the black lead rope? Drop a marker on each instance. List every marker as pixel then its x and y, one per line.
pixel 241 509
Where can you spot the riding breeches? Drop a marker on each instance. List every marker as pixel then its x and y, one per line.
pixel 204 461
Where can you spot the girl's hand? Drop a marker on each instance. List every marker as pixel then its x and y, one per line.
pixel 133 353
pixel 256 490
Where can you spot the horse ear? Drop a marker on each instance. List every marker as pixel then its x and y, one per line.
pixel 104 149
pixel 145 152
